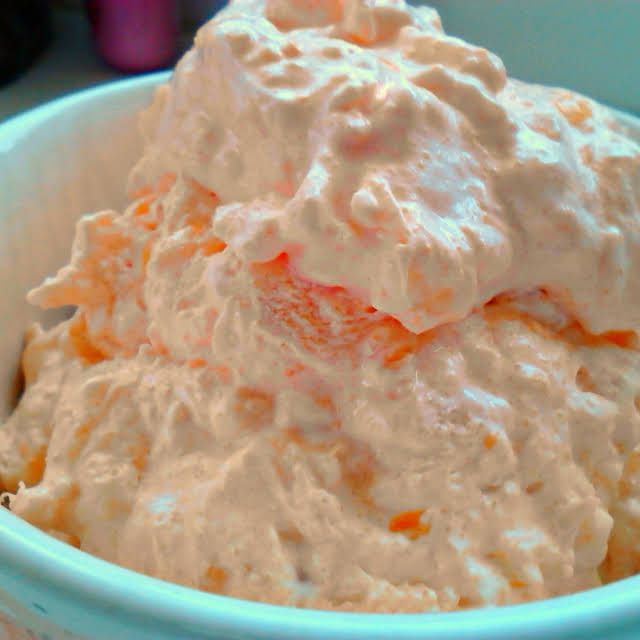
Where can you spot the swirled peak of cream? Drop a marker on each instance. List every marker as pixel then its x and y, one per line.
pixel 396 161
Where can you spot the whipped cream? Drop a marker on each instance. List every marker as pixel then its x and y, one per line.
pixel 365 338
pixel 363 132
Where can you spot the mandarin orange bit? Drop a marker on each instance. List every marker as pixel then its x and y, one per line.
pixel 489 440
pixel 516 583
pixel 34 468
pixel 81 342
pixel 165 182
pixel 215 579
pixel 213 246
pixel 405 520
pixel 143 206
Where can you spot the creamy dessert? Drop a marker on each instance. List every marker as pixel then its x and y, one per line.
pixel 366 337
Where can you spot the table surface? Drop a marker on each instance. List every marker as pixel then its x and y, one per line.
pixel 69 64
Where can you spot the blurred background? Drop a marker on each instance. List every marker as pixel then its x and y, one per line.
pixel 51 47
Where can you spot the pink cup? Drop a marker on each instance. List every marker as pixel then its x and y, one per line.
pixel 135 35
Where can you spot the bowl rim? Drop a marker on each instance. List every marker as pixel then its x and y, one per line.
pixel 17 122
pixel 30 555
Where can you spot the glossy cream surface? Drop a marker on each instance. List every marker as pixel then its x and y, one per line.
pixel 366 336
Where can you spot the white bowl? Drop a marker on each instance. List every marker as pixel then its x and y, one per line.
pixel 58 161
pixel 73 156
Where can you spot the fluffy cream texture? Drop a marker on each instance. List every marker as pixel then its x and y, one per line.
pixel 364 339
